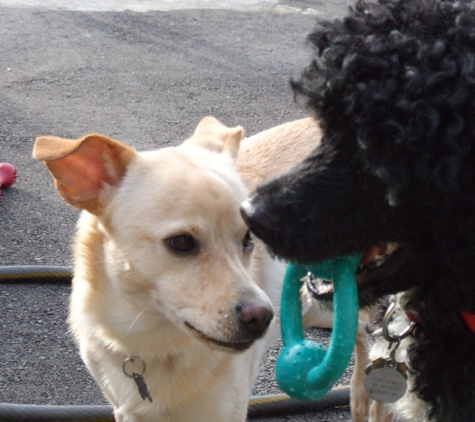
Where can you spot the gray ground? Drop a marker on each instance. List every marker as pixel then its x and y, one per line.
pixel 143 78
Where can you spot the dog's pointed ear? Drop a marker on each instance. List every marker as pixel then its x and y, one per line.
pixel 85 170
pixel 213 135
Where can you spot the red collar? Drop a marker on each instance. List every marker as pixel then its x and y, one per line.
pixel 468 317
pixel 412 317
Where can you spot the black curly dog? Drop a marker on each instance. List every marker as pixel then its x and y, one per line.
pixel 393 87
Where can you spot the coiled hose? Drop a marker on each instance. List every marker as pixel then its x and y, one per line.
pixel 35 274
pixel 259 406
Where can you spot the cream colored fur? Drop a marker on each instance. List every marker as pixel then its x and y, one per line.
pixel 132 296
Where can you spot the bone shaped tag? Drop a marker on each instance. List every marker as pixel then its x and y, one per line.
pixel 142 386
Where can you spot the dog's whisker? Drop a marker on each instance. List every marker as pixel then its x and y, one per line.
pixel 137 318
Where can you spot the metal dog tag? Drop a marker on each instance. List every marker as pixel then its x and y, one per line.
pixel 386 383
pixel 137 376
pixel 143 390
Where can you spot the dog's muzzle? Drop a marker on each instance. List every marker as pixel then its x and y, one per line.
pixel 254 317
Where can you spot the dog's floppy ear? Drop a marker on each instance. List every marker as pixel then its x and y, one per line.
pixel 85 169
pixel 211 134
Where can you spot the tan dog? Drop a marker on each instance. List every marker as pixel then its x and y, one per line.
pixel 171 298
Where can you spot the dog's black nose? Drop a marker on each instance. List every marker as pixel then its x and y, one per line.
pixel 255 316
pixel 258 221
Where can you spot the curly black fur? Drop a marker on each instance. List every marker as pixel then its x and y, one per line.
pixel 393 87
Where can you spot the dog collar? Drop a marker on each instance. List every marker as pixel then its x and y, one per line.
pixel 412 317
pixel 468 317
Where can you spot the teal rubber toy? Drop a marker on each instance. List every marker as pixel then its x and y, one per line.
pixel 305 369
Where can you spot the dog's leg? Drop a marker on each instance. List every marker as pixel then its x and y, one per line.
pixel 379 412
pixel 118 418
pixel 125 417
pixel 359 400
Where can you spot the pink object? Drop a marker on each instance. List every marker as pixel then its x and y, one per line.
pixel 7 175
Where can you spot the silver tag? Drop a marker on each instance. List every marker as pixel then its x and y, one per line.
pixel 386 384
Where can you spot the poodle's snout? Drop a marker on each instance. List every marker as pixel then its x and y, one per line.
pixel 258 221
pixel 255 317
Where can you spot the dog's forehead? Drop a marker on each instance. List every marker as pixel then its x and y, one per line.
pixel 172 185
pixel 192 166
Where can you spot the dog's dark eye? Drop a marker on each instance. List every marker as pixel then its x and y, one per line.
pixel 184 244
pixel 247 242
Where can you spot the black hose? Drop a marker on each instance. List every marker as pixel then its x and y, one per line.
pixel 48 413
pixel 259 406
pixel 35 274
pixel 282 404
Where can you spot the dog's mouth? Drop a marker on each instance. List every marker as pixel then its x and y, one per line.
pixel 236 346
pixel 379 262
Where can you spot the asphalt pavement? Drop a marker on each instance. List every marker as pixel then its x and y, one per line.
pixel 145 78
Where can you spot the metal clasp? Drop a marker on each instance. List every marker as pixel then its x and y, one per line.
pixel 387 318
pixel 132 359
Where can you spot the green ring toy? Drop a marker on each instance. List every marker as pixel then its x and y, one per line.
pixel 305 369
